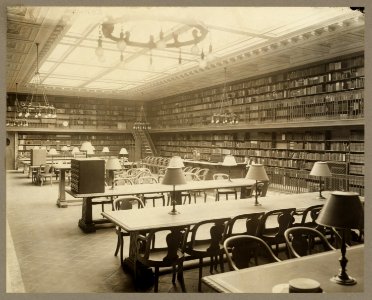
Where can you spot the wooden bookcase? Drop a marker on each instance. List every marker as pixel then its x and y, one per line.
pixel 288 119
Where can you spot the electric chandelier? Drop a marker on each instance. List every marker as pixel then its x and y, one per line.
pixel 142 123
pixel 171 40
pixel 224 115
pixel 32 107
pixel 15 121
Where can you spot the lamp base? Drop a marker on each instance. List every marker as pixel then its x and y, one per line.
pixel 321 197
pixel 343 281
pixel 257 204
pixel 174 212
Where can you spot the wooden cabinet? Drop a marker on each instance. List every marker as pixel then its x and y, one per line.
pixel 87 176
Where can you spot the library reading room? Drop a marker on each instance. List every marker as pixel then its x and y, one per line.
pixel 184 149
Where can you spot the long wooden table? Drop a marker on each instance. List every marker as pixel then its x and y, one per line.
pixel 320 267
pixel 134 221
pixel 87 224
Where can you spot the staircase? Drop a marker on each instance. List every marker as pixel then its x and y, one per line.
pixel 143 137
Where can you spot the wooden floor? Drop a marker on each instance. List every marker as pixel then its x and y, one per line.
pixel 48 253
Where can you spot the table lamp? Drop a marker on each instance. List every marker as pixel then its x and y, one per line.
pixel 343 210
pixel 229 161
pixel 75 150
pixel 90 151
pixel 257 172
pixel 321 169
pixel 52 152
pixel 105 150
pixel 123 152
pixel 64 149
pixel 85 146
pixel 112 165
pixel 174 176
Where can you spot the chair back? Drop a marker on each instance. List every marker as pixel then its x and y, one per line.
pixel 146 179
pixel 302 241
pixel 212 241
pixel 202 173
pixel 171 240
pixel 219 176
pixel 247 224
pixel 241 249
pixel 309 215
pixel 187 169
pixel 127 202
pixel 191 176
pixel 284 219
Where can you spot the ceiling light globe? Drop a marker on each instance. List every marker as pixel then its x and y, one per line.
pixel 99 52
pixel 121 44
pixel 195 49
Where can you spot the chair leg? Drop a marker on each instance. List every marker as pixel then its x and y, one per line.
pixel 221 263
pixel 200 273
pixel 121 249
pixel 156 284
pixel 205 197
pixel 174 274
pixel 117 245
pixel 236 196
pixel 211 265
pixel 153 202
pixel 181 278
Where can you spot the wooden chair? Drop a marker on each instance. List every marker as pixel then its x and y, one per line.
pixel 274 235
pixel 202 175
pixel 45 174
pixel 302 241
pixel 152 196
pixel 245 224
pixel 224 191
pixel 171 255
pixel 240 250
pixel 124 203
pixel 308 216
pixel 201 246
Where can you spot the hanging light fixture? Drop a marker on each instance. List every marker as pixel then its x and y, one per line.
pixel 142 123
pixel 19 116
pixel 224 115
pixel 124 40
pixel 33 108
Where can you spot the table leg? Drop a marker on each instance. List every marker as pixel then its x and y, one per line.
pixel 86 222
pixel 61 201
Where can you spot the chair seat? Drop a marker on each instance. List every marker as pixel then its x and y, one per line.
pixel 156 258
pixel 200 249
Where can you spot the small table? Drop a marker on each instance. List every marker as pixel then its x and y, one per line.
pixel 320 267
pixel 61 201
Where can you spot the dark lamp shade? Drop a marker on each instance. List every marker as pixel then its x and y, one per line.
pixel 229 161
pixel 113 163
pixel 257 172
pixel 174 176
pixel 342 210
pixel 320 168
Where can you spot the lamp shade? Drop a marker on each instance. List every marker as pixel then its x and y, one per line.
pixel 90 151
pixel 105 150
pixel 320 168
pixel 85 146
pixel 229 161
pixel 75 150
pixel 123 151
pixel 174 176
pixel 342 210
pixel 113 163
pixel 257 172
pixel 53 151
pixel 176 162
pixel 65 148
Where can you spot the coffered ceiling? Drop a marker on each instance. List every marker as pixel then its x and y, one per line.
pixel 248 41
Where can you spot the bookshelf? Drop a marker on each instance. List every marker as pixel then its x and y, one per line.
pixel 288 119
pixel 115 141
